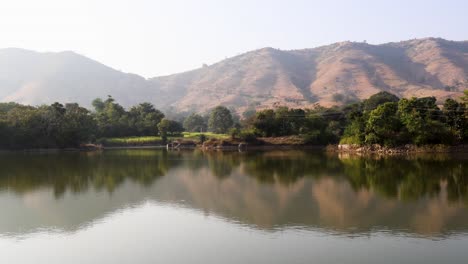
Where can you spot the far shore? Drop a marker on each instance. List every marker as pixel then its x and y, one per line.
pixel 242 146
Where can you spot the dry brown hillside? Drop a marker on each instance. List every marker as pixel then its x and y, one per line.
pixel 329 75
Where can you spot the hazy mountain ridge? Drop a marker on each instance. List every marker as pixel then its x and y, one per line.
pixel 37 78
pixel 328 75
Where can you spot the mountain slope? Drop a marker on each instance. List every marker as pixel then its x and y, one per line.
pixel 328 75
pixel 37 78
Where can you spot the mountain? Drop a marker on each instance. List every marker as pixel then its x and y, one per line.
pixel 328 75
pixel 36 78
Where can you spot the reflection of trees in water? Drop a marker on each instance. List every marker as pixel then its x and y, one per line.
pixel 266 189
pixel 77 172
pixel 391 177
pixel 408 179
pixel 403 178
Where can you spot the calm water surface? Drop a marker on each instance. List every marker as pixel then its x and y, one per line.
pixel 154 206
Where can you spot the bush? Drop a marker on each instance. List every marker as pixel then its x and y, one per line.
pixel 248 136
pixel 350 140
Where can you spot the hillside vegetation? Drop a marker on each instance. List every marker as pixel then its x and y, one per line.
pixel 382 119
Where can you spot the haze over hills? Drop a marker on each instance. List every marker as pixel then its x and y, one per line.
pixel 328 75
pixel 37 78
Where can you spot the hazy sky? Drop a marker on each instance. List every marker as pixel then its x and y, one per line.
pixel 152 37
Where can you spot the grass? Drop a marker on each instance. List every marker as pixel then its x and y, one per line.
pixel 196 135
pixel 148 141
pixel 131 141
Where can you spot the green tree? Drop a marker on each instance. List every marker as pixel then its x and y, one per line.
pixel 98 105
pixel 422 118
pixel 144 119
pixel 169 128
pixel 354 132
pixel 265 122
pixel 220 120
pixel 384 127
pixel 195 123
pixel 112 119
pixel 79 126
pixel 315 129
pixel 464 98
pixel 455 118
pixel 378 99
pixel 5 107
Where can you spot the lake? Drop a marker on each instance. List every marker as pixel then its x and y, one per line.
pixel 158 206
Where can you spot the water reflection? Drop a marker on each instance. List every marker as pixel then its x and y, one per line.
pixel 423 195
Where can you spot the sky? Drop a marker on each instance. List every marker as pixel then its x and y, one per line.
pixel 153 38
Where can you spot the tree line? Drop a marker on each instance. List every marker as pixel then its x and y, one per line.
pixel 70 125
pixel 382 119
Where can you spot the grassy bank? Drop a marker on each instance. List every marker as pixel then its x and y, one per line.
pixel 156 140
pixel 130 141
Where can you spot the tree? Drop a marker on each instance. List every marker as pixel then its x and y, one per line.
pixel 169 127
pixel 4 134
pixel 423 120
pixel 354 132
pixel 54 126
pixel 456 119
pixel 378 99
pixel 112 119
pixel 220 120
pixel 195 123
pixel 265 122
pixel 289 121
pixel 383 126
pixel 144 119
pixel 79 125
pixel 5 107
pixel 98 105
pixel 465 97
pixel 315 129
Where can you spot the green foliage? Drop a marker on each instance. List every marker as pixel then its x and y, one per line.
pixel 196 135
pixel 53 126
pixel 354 132
pixel 195 123
pixel 144 118
pixel 114 121
pixel 248 136
pixel 456 119
pixel 265 122
pixel 378 120
pixel 169 128
pixel 464 98
pixel 378 99
pixel 234 133
pixel 422 118
pixel 220 120
pixel 131 141
pixel 384 127
pixel 5 107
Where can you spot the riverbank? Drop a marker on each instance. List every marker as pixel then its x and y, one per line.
pixel 398 150
pixel 271 143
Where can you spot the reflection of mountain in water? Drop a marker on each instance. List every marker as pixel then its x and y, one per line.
pixel 427 196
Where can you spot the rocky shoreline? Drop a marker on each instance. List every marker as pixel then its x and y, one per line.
pixel 398 150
